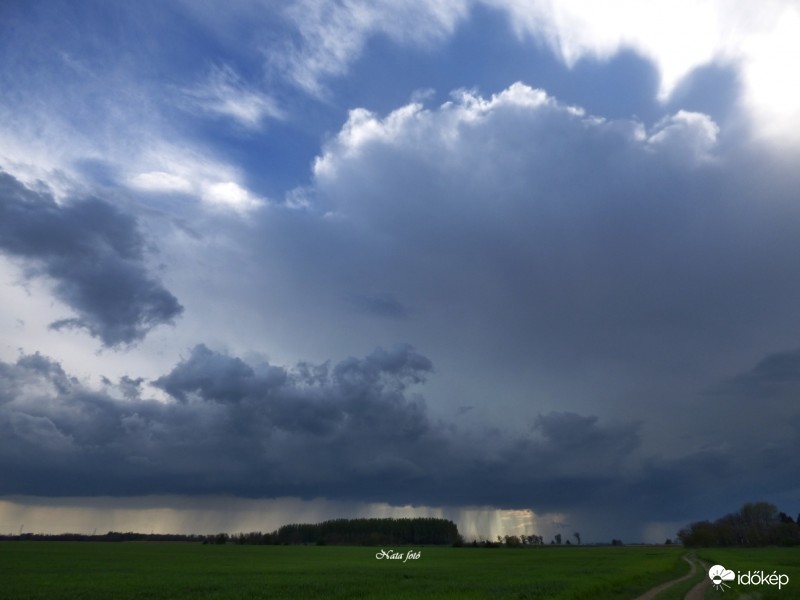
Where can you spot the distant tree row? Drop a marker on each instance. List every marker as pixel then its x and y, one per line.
pixel 509 541
pixel 111 536
pixel 349 532
pixel 756 524
pixel 359 532
pixel 344 532
pixel 516 541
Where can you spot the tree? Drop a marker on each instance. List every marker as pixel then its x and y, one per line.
pixel 534 540
pixel 756 524
pixel 558 538
pixel 577 537
pixel 370 532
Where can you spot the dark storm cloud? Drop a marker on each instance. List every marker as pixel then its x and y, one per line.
pixel 381 305
pixel 356 430
pixel 758 409
pixel 93 253
pixel 233 428
pixel 585 264
pixel 314 399
pixel 568 434
pixel 775 374
pixel 212 376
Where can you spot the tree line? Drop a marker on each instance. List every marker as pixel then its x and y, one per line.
pixel 343 532
pixel 111 536
pixel 359 532
pixel 755 524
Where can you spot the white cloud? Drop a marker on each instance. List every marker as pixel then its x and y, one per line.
pixel 759 39
pixel 159 181
pixel 445 131
pixel 687 133
pixel 230 195
pixel 168 168
pixel 574 29
pixel 770 74
pixel 224 93
pixel 363 127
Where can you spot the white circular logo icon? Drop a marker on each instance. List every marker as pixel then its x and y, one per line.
pixel 719 575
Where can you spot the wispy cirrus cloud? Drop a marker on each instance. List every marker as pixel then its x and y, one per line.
pixel 102 121
pixel 225 94
pixel 332 34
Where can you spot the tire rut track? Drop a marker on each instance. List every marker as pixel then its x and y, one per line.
pixel 693 565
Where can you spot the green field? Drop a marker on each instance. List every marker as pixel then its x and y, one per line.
pixel 183 570
pixel 180 570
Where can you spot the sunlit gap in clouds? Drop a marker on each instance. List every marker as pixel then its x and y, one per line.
pixel 216 514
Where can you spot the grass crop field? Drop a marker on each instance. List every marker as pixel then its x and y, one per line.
pixel 183 570
pixel 180 570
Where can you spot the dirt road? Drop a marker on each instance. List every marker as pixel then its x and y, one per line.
pixel 697 590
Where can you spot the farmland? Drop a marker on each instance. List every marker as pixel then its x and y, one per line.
pixel 180 570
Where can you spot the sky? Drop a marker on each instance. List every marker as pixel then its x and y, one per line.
pixel 528 265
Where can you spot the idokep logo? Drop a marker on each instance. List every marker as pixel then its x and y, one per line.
pixel 719 575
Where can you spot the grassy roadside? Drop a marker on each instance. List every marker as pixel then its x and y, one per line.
pixel 741 560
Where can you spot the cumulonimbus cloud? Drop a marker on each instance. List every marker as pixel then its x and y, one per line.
pixel 356 430
pixel 353 430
